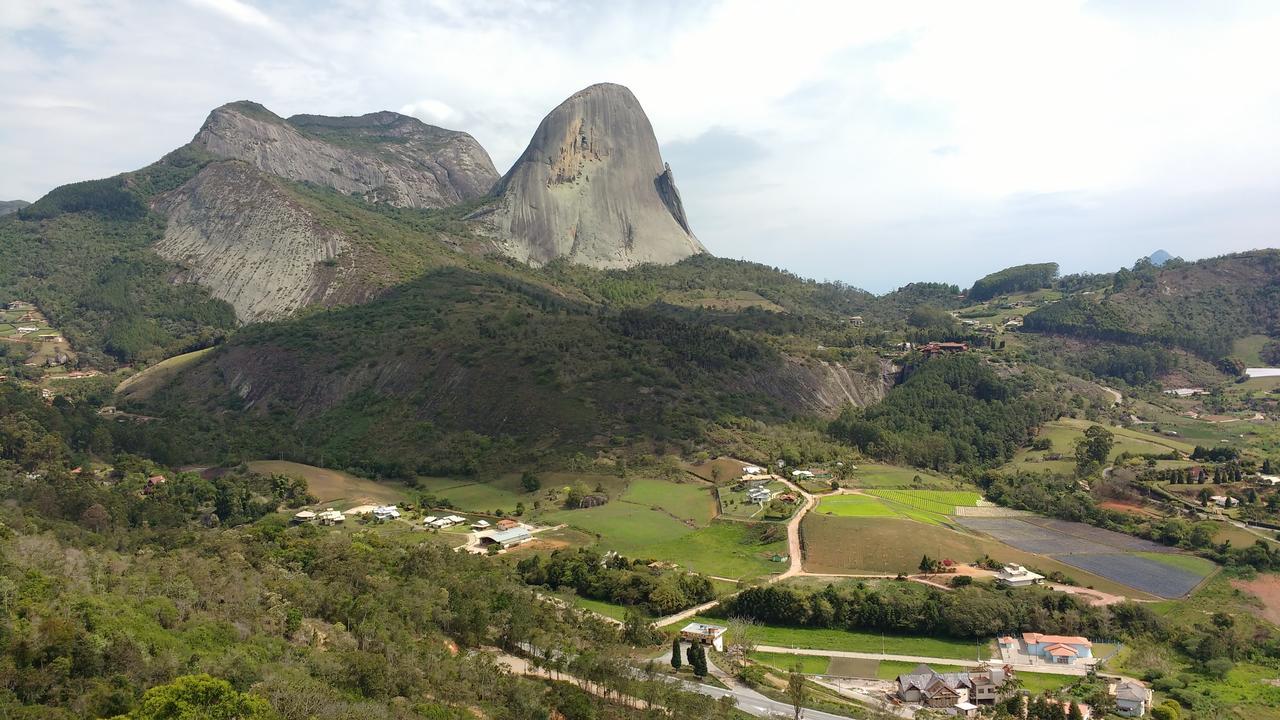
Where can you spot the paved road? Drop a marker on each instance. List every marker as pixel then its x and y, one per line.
pixel 753 703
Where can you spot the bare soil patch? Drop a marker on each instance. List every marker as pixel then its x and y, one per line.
pixel 1267 589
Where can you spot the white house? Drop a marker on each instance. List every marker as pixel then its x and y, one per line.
pixel 26 329
pixel 1133 699
pixel 329 516
pixel 1017 576
pixel 801 474
pixel 386 512
pixel 480 525
pixel 759 494
pixel 1269 480
pixel 752 470
pixel 712 635
pixel 304 516
pixel 1223 501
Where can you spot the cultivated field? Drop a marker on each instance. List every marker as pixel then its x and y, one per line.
pixel 333 487
pixel 881 545
pixel 1135 562
pixel 927 506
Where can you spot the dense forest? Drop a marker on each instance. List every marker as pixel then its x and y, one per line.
pixel 950 411
pixel 1019 278
pixel 124 598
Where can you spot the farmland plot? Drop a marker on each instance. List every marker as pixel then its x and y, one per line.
pixel 1143 573
pixel 1101 552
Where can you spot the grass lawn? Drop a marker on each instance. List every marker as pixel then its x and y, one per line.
pixel 688 501
pixel 943 502
pixel 725 549
pixel 607 609
pixel 721 470
pixel 869 642
pixel 1065 431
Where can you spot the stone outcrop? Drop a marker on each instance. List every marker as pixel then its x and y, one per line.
pixel 240 235
pixel 591 187
pixel 382 157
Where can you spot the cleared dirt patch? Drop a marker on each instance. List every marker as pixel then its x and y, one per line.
pixel 1267 589
pixel 853 667
pixel 332 486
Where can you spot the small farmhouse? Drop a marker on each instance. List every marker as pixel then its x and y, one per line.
pixel 480 525
pixel 1223 501
pixel 752 470
pixel 712 635
pixel 1133 699
pixel 382 513
pixel 759 494
pixel 304 516
pixel 329 516
pixel 1017 576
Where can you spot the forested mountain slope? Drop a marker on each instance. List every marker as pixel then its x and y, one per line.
pixel 459 367
pixel 1200 306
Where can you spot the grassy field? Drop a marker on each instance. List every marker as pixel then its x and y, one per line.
pixel 333 487
pixel 1248 349
pixel 625 527
pixel 724 549
pixel 875 475
pixel 143 385
pixel 1065 431
pixel 869 642
pixel 690 501
pixel 855 506
pixel 720 470
pixel 880 545
pixel 943 502
pixel 1189 563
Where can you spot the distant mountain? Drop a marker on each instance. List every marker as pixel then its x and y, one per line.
pixel 1159 258
pixel 12 206
pixel 1200 307
pixel 592 188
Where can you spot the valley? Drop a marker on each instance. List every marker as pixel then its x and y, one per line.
pixel 326 407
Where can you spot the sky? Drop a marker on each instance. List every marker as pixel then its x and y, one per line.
pixel 875 143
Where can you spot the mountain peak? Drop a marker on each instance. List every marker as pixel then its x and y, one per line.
pixel 382 156
pixel 592 187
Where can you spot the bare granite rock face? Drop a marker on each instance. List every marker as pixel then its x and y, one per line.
pixel 592 187
pixel 245 239
pixel 383 157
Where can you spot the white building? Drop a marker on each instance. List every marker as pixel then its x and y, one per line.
pixel 304 516
pixel 329 516
pixel 386 512
pixel 759 494
pixel 508 538
pixel 480 525
pixel 1223 501
pixel 1017 576
pixel 752 470
pixel 712 635
pixel 801 474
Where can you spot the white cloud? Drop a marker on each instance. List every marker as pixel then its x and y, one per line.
pixel 872 142
pixel 430 111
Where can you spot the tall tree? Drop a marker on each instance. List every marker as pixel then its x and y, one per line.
pixel 675 653
pixel 796 690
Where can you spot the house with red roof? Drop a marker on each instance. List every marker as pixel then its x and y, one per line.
pixel 1057 649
